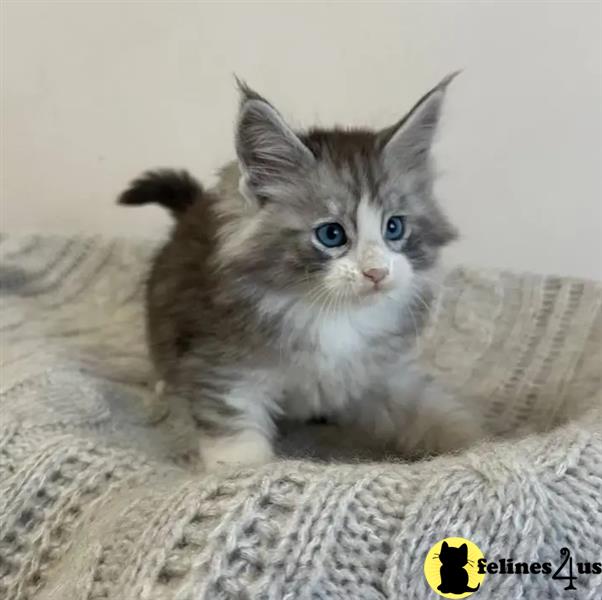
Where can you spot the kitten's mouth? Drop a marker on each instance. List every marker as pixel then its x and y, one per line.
pixel 375 289
pixel 371 294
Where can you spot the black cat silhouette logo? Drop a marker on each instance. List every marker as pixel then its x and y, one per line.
pixel 451 569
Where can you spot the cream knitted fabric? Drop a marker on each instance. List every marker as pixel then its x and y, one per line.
pixel 99 498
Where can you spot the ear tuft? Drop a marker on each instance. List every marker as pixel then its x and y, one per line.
pixel 246 92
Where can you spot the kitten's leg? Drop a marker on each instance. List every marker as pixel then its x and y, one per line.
pixel 419 418
pixel 245 447
pixel 236 428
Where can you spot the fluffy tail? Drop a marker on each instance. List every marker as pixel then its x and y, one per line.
pixel 175 190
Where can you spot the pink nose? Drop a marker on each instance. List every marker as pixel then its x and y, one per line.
pixel 376 275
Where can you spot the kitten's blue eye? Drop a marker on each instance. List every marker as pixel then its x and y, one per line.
pixel 331 235
pixel 395 229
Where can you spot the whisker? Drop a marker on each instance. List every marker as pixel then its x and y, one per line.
pixel 416 340
pixel 417 296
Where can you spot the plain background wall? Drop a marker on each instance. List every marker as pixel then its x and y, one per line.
pixel 94 93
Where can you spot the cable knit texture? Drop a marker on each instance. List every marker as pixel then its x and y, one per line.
pixel 101 496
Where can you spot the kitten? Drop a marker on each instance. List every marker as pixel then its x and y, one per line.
pixel 295 288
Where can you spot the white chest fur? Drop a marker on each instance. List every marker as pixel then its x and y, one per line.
pixel 329 360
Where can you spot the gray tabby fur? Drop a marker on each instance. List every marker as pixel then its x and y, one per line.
pixel 253 320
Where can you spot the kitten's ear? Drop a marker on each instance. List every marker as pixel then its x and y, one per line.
pixel 464 549
pixel 444 546
pixel 409 141
pixel 269 151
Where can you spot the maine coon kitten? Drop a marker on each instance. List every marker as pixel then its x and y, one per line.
pixel 294 289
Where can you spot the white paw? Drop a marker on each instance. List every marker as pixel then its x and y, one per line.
pixel 248 447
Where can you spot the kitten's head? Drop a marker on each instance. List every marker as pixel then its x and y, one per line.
pixel 452 556
pixel 339 216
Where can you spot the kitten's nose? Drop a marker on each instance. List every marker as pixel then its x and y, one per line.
pixel 376 275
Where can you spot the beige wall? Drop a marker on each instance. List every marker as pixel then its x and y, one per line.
pixel 94 93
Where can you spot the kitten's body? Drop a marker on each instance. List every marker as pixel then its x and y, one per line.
pixel 248 317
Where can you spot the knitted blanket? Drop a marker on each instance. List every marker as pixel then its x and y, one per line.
pixel 101 495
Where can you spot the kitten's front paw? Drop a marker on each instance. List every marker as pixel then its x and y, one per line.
pixel 245 448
